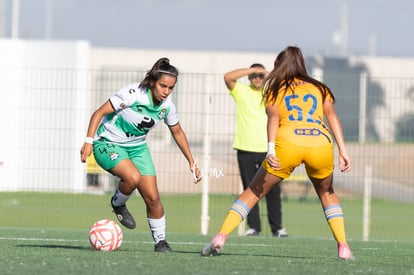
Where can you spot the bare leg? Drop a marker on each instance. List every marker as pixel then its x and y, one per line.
pixel 325 191
pixel 331 207
pixel 129 175
pixel 258 188
pixel 149 191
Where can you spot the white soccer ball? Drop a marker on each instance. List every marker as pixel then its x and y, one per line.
pixel 105 235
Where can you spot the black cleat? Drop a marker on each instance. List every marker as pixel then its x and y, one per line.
pixel 162 246
pixel 123 215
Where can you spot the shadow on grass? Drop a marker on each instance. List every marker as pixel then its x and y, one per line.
pixel 240 255
pixel 77 247
pixel 74 247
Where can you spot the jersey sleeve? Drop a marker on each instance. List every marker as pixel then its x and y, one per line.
pixel 329 97
pixel 172 117
pixel 123 98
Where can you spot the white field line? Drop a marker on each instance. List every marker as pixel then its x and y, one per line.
pixel 146 242
pixel 124 241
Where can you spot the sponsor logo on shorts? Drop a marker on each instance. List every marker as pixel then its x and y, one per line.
pixel 113 155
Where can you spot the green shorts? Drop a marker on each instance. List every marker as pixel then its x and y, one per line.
pixel 108 155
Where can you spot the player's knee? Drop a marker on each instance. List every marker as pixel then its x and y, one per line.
pixel 133 180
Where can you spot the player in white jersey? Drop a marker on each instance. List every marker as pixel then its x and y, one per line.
pixel 117 136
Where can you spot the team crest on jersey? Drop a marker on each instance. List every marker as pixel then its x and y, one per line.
pixel 162 114
pixel 113 156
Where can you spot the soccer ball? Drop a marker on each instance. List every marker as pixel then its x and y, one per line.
pixel 105 235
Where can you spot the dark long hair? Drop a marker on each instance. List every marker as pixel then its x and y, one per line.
pixel 162 66
pixel 289 64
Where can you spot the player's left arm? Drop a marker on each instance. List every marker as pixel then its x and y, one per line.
pixel 181 139
pixel 336 128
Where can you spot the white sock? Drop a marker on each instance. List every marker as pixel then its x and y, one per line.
pixel 119 198
pixel 157 227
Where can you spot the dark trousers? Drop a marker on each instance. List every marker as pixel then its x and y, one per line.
pixel 249 163
pixel 92 179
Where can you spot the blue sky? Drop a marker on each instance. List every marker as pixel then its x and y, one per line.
pixel 236 25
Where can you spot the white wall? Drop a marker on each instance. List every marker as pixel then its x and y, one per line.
pixel 37 150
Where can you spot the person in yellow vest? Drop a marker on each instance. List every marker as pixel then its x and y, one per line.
pixel 250 142
pixel 296 107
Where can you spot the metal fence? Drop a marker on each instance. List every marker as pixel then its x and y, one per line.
pixel 45 114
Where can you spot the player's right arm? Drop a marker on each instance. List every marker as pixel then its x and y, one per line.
pixel 94 122
pixel 231 77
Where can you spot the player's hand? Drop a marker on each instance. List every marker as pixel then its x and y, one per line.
pixel 85 151
pixel 344 163
pixel 196 173
pixel 273 161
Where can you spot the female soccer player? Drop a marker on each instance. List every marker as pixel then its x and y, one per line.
pixel 117 135
pixel 295 105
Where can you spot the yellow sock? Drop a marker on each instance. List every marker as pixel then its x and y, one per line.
pixel 335 218
pixel 236 215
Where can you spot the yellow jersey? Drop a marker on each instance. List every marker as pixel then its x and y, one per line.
pixel 301 119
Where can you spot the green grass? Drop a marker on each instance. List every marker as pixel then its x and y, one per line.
pixel 390 221
pixel 47 233
pixel 34 251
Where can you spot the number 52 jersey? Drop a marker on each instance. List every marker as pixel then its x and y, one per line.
pixel 301 115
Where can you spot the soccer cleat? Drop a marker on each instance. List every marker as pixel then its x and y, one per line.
pixel 280 233
pixel 344 253
pixel 251 232
pixel 123 215
pixel 215 245
pixel 162 246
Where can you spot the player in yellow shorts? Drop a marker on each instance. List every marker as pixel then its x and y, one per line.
pixel 296 105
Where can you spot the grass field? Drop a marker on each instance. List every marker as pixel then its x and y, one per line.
pixel 33 251
pixel 46 233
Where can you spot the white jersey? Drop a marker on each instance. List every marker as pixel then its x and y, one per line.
pixel 135 115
